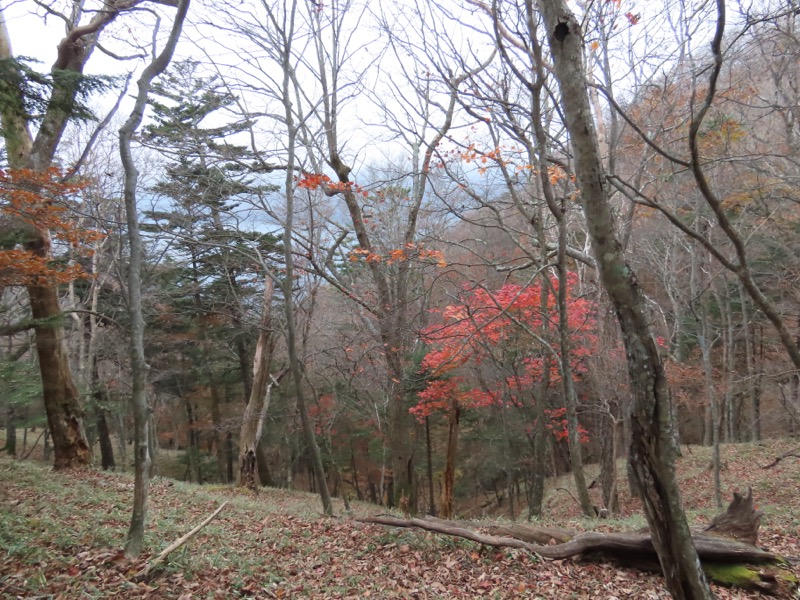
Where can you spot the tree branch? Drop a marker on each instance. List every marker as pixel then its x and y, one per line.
pixel 177 544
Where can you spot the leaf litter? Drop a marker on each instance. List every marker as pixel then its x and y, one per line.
pixel 61 536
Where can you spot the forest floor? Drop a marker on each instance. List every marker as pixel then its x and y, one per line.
pixel 61 536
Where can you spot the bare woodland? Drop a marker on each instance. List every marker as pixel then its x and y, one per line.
pixel 426 255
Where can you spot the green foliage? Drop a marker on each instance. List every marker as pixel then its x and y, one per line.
pixel 29 94
pixel 20 383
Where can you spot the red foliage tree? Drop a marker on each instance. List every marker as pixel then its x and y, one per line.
pixel 499 326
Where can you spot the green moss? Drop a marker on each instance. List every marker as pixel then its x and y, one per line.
pixel 731 573
pixel 759 577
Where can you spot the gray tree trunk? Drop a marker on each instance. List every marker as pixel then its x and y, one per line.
pixel 288 280
pixel 141 410
pixel 652 450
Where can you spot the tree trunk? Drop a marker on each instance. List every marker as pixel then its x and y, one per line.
pixel 258 404
pixel 103 433
pixel 11 431
pixel 141 410
pixel 428 453
pixel 608 464
pixel 557 209
pixel 538 439
pixel 106 448
pixel 47 447
pixel 193 443
pixel 446 509
pixel 400 448
pixel 652 451
pixel 262 460
pixel 61 400
pixel 747 328
pixel 288 284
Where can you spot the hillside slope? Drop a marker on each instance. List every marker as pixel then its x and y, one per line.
pixel 62 534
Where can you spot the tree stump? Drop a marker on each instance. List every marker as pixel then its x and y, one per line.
pixel 740 521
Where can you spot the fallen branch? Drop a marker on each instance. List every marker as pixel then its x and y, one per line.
pixel 526 533
pixel 447 529
pixel 791 453
pixel 709 546
pixel 726 547
pixel 177 544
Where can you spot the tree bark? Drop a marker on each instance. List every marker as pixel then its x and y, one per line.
pixel 429 466
pixel 106 448
pixel 141 409
pixel 652 450
pixel 288 279
pixel 608 463
pixel 11 432
pixel 258 404
pixel 61 400
pixel 454 415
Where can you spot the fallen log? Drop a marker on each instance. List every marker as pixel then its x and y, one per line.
pixel 726 547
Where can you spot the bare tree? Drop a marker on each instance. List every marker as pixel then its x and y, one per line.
pixel 141 409
pixel 652 449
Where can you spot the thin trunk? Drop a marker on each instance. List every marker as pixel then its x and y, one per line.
pixel 216 429
pixel 652 451
pixel 47 446
pixel 262 461
pixel 356 486
pixel 538 439
pixel 731 431
pixel 141 410
pixel 608 464
pixel 122 448
pixel 558 211
pixel 11 431
pixel 288 280
pixel 454 415
pixel 106 448
pixel 747 328
pixel 192 442
pixel 229 474
pixel 428 454
pixel 712 404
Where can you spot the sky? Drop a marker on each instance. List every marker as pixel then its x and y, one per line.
pixel 36 34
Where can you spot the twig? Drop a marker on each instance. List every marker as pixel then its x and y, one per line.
pixel 34 445
pixel 570 493
pixel 177 544
pixel 778 459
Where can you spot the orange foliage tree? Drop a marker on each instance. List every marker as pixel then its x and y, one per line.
pixel 31 199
